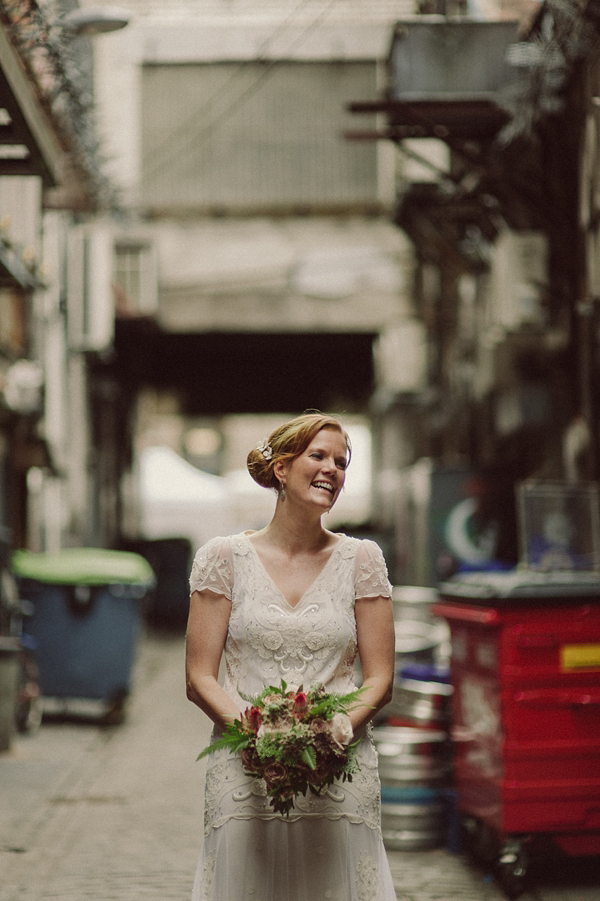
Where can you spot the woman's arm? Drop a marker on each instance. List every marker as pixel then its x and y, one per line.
pixel 205 640
pixel 376 648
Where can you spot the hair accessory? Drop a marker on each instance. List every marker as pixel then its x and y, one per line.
pixel 265 448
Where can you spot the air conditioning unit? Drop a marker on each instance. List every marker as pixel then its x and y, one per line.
pixel 90 298
pixel 401 357
pixel 519 275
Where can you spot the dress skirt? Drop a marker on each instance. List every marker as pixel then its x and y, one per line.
pixel 330 847
pixel 306 860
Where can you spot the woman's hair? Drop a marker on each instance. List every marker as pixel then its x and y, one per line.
pixel 287 442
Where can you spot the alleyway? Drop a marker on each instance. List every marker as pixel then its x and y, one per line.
pixel 95 814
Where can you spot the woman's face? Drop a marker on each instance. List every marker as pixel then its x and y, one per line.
pixel 317 475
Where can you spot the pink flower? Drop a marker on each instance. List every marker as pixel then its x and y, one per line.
pixel 251 761
pixel 274 774
pixel 252 718
pixel 319 726
pixel 341 728
pixel 271 699
pixel 300 703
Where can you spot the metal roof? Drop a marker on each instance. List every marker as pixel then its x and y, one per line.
pixel 26 126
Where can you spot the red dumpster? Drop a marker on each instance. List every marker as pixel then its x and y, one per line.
pixel 526 711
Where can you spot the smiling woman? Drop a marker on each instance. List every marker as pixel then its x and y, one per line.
pixel 288 442
pixel 319 471
pixel 293 602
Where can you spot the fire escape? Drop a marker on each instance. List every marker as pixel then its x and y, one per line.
pixel 509 105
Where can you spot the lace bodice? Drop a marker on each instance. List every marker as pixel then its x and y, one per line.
pixel 268 639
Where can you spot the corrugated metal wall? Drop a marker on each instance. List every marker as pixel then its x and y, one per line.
pixel 307 9
pixel 255 136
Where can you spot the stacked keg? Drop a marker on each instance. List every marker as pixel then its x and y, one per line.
pixel 411 733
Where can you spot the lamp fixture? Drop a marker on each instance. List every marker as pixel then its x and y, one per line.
pixel 95 20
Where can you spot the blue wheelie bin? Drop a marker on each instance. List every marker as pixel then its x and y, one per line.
pixel 85 620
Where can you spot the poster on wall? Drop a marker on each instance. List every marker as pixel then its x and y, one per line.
pixel 458 520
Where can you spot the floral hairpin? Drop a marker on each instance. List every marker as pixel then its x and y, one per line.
pixel 265 448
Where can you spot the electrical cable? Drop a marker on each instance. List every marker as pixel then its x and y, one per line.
pixel 186 131
pixel 206 104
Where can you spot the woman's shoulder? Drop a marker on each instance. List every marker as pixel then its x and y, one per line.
pixel 212 566
pixel 222 544
pixel 216 552
pixel 370 546
pixel 214 546
pixel 366 547
pixel 370 569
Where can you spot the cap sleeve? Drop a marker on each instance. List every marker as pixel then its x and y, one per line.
pixel 371 576
pixel 212 568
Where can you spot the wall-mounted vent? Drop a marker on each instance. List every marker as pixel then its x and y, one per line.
pixel 90 298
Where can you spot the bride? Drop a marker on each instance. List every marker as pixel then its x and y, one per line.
pixel 293 601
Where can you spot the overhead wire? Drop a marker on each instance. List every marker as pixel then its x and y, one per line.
pixel 188 133
pixel 222 89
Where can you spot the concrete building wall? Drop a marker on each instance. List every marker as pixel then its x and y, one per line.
pixel 258 271
pixel 188 34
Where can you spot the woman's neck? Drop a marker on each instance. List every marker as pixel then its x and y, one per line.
pixel 296 533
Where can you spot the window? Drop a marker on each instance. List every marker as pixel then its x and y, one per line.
pixel 255 136
pixel 135 278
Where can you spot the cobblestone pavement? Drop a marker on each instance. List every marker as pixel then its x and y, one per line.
pixel 93 813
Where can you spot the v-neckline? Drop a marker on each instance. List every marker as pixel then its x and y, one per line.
pixel 274 583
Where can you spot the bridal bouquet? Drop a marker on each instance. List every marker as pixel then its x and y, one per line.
pixel 295 740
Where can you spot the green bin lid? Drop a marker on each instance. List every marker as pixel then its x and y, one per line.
pixel 83 566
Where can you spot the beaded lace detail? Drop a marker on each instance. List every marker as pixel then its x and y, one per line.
pixel 208 875
pixel 367 873
pixel 269 640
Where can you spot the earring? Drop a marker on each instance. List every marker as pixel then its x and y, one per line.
pixel 283 491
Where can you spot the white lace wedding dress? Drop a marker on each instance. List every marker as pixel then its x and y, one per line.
pixel 330 848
